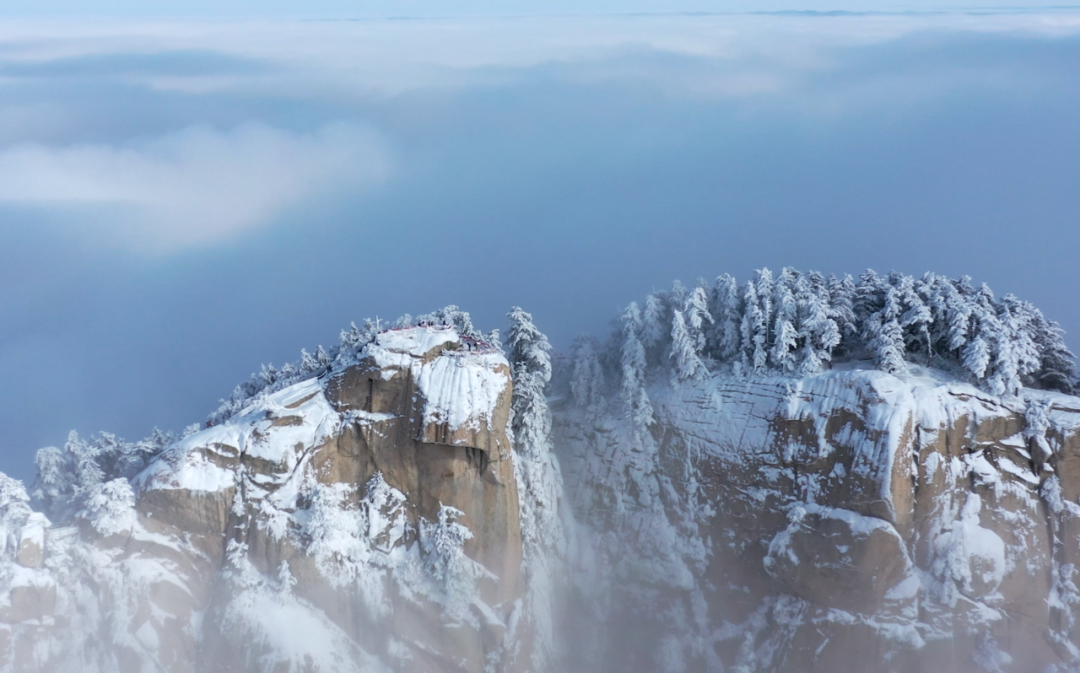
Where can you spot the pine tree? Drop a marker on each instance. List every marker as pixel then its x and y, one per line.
pixel 687 365
pixel 841 294
pixel 763 284
pixel 724 339
pixel 14 506
pixel 915 317
pixel 1055 359
pixel 785 336
pixel 56 479
pixel 869 296
pixel 697 317
pixel 632 364
pixel 884 334
pixel 538 480
pixel 753 331
pixel 818 331
pixel 308 363
pixel 88 472
pixel 1016 357
pixel 985 333
pixel 653 332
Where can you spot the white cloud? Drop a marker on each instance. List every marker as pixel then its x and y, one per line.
pixel 197 185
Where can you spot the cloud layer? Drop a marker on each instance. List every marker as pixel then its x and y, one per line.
pixel 197 185
pixel 289 177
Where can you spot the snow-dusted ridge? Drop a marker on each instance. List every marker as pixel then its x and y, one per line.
pixel 343 521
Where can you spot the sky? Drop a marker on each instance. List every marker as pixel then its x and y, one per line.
pixel 187 195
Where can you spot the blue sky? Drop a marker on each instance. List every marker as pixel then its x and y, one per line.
pixel 182 200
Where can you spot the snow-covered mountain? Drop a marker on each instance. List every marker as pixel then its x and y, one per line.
pixel 795 474
pixel 368 518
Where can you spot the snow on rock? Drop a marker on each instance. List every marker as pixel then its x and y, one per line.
pixel 779 523
pixel 295 534
pixel 461 381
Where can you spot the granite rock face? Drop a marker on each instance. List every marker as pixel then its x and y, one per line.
pixel 364 520
pixel 852 521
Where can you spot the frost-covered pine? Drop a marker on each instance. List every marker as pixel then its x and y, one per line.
pixel 782 353
pixel 916 316
pixel 308 363
pixel 884 336
pixel 753 331
pixel 697 317
pixel 587 378
pixel 110 507
pixel 984 334
pixel 530 367
pixel 951 315
pixel 687 365
pixel 14 508
pixel 1016 356
pixel 538 479
pixel 763 284
pixel 1056 361
pixel 322 357
pixel 841 296
pixel 632 366
pixel 56 479
pixel 678 294
pixel 653 332
pixel 724 339
pixel 869 296
pixel 454 573
pixel 818 331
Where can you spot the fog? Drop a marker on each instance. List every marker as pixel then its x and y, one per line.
pixel 183 201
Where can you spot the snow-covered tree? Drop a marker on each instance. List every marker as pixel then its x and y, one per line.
pixel 869 297
pixel 110 507
pixel 538 479
pixel 1016 354
pixel 697 318
pixel 724 338
pixel 1056 361
pixel 763 285
pixel 984 334
pixel 753 331
pixel 841 294
pixel 818 331
pixel 455 574
pixel 916 316
pixel 785 313
pixel 687 365
pixel 55 479
pixel 14 508
pixel 308 363
pixel 884 335
pixel 653 332
pixel 632 366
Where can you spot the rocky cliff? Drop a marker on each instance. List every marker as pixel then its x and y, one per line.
pixel 398 509
pixel 366 519
pixel 850 521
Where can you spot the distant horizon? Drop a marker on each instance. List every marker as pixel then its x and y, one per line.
pixel 331 10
